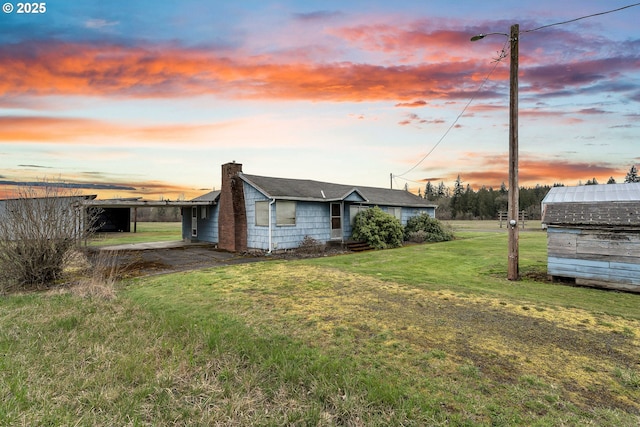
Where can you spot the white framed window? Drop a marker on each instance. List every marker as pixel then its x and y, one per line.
pixel 203 212
pixel 262 214
pixel 285 212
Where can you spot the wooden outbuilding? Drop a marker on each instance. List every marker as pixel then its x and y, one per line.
pixel 593 235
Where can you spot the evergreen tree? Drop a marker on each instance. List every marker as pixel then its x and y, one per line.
pixel 430 192
pixel 611 180
pixel 457 198
pixel 632 175
pixel 592 182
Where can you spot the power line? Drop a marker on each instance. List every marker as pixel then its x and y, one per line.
pixel 578 19
pixel 502 56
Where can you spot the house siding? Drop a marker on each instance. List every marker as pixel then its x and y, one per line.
pixel 207 227
pixel 408 213
pixel 257 236
pixel 312 219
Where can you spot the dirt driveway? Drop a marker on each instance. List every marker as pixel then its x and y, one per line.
pixel 146 259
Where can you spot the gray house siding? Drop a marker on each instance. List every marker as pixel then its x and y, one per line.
pixel 257 236
pixel 207 228
pixel 312 219
pixel 408 213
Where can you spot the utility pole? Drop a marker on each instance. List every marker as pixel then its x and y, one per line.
pixel 514 191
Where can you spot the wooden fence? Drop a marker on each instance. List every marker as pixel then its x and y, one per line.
pixel 504 216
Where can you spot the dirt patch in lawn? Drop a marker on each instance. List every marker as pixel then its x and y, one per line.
pixel 559 354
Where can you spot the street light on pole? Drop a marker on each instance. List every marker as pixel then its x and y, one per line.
pixel 514 191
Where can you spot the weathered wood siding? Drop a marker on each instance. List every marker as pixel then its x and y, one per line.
pixel 595 256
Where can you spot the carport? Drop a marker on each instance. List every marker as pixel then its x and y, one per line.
pixel 136 203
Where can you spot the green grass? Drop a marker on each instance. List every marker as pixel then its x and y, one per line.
pixel 422 335
pixel 145 232
pixel 477 263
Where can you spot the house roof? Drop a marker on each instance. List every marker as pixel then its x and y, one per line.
pixel 594 193
pixel 303 189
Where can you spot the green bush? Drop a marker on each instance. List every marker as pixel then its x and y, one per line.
pixel 379 229
pixel 423 228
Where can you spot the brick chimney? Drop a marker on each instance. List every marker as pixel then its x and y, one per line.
pixel 232 218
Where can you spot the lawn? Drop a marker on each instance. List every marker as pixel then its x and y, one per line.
pixel 145 232
pixel 422 335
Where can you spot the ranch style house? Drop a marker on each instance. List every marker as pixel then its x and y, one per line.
pixel 253 212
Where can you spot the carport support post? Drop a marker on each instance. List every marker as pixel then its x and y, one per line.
pixel 135 220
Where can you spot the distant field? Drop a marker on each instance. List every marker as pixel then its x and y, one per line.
pixel 146 232
pixel 169 231
pixel 489 225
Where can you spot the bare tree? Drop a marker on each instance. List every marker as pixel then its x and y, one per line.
pixel 38 229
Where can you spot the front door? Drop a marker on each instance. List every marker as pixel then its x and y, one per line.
pixel 336 221
pixel 194 221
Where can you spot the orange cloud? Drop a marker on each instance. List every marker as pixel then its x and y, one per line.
pixel 164 71
pixel 491 170
pixel 413 104
pixel 76 130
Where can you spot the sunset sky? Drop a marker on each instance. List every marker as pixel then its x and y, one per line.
pixel 148 98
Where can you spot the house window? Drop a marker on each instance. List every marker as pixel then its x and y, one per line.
pixel 262 214
pixel 355 210
pixel 203 212
pixel 285 212
pixel 397 212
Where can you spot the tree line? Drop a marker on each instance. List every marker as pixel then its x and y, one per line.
pixel 462 202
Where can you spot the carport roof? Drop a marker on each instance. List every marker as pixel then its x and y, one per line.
pixel 138 203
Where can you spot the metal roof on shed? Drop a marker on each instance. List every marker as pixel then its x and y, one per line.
pixel 628 192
